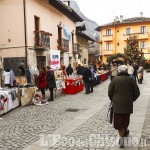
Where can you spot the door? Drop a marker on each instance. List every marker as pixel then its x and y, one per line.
pixel 41 62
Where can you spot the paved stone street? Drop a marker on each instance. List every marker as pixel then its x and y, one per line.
pixel 25 127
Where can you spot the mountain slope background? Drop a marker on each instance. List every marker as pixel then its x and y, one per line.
pixel 90 27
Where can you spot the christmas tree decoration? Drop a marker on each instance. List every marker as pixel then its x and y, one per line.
pixel 132 52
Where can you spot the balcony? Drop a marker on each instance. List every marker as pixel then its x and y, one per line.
pixel 63 45
pixel 107 37
pixel 76 48
pixel 42 39
pixel 140 36
pixel 108 52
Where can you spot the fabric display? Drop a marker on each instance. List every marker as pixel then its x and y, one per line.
pixel 60 83
pixel 9 77
pixel 76 83
pixel 37 100
pixel 26 95
pixel 73 85
pixel 21 80
pixel 3 100
pixel 8 100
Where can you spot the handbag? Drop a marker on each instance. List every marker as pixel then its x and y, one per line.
pixel 110 113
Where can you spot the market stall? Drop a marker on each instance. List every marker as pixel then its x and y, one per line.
pixel 101 76
pixel 8 99
pixel 73 85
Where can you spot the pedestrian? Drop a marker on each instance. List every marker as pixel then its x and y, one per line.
pixel 69 70
pixel 42 81
pixel 123 91
pixel 28 74
pixel 92 78
pixel 135 66
pixel 113 71
pixel 51 83
pixel 140 74
pixel 87 78
pixel 130 70
pixel 79 69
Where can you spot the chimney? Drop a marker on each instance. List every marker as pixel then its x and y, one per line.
pixel 121 18
pixel 116 19
pixel 67 2
pixel 141 14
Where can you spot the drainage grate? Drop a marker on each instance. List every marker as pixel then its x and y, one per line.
pixel 72 110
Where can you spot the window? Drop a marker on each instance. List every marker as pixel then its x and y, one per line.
pixel 143 44
pixel 108 32
pixel 37 23
pixel 143 29
pixel 108 46
pixel 128 31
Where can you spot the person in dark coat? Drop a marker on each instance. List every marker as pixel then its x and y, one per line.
pixel 87 78
pixel 92 77
pixel 51 83
pixel 42 81
pixel 69 70
pixel 135 66
pixel 28 74
pixel 79 70
pixel 123 91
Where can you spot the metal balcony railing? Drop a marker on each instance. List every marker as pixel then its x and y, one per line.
pixel 42 39
pixel 63 45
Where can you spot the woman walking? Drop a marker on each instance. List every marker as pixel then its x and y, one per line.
pixel 123 91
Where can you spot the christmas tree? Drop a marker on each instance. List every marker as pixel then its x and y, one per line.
pixel 132 52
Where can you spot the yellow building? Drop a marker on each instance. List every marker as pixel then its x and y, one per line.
pixel 114 35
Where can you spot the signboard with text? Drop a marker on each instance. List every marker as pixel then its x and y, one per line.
pixel 55 59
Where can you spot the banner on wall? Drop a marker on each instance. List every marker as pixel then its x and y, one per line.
pixel 55 59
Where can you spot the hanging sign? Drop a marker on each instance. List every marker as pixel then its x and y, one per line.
pixel 55 59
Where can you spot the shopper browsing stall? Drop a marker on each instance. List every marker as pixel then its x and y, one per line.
pixel 42 81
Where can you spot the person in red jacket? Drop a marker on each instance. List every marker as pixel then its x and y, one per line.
pixel 42 81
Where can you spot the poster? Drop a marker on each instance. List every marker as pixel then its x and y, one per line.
pixel 55 59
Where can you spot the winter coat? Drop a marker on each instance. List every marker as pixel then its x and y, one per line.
pixel 50 79
pixel 79 70
pixel 123 91
pixel 69 70
pixel 42 80
pixel 87 75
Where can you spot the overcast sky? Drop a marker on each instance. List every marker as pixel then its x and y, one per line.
pixel 104 11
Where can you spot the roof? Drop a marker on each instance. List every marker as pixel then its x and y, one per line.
pixel 81 25
pixel 125 21
pixel 66 10
pixel 85 36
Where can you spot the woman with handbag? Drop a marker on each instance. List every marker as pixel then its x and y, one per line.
pixel 123 91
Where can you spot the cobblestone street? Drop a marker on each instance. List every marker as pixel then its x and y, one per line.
pixel 23 126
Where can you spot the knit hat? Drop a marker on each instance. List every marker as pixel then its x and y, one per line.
pixel 122 68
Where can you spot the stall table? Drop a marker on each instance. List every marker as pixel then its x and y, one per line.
pixel 11 102
pixel 73 86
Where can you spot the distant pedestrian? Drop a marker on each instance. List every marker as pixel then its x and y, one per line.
pixel 87 78
pixel 51 83
pixel 69 70
pixel 123 91
pixel 135 66
pixel 92 77
pixel 113 71
pixel 28 74
pixel 130 70
pixel 42 81
pixel 140 74
pixel 79 69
